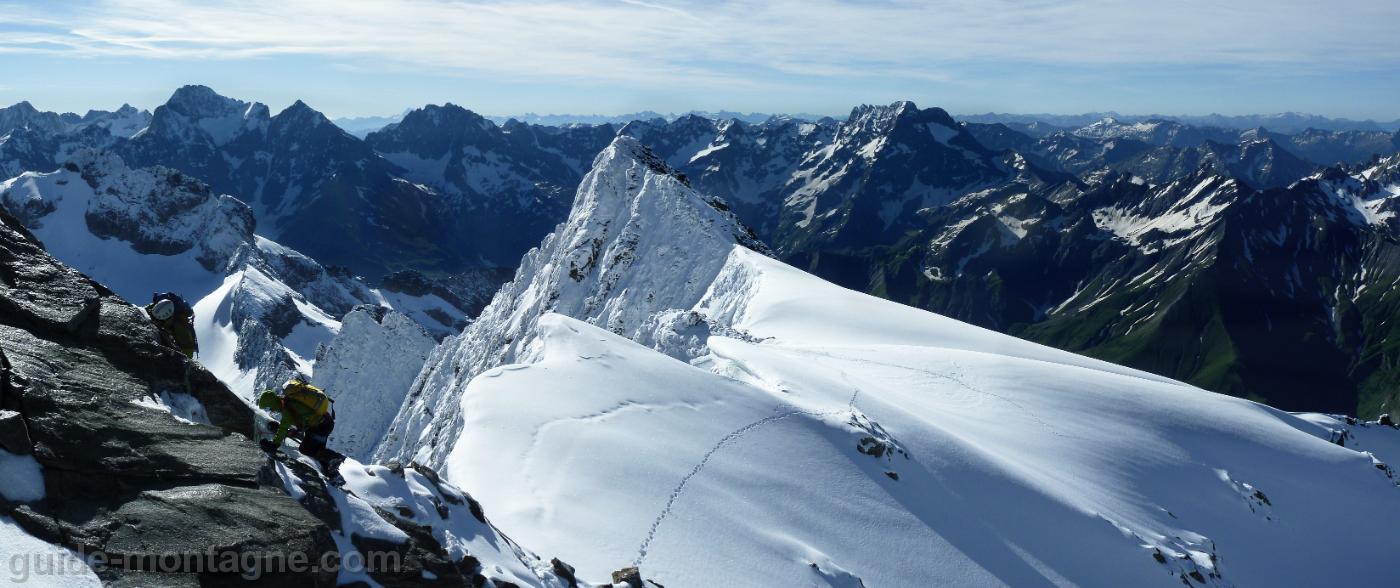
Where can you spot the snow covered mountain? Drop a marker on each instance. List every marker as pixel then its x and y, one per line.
pixel 878 202
pixel 1159 152
pixel 971 234
pixel 814 189
pixel 1150 148
pixel 262 309
pixel 1269 294
pixel 1284 122
pixel 353 369
pixel 33 140
pixel 1160 132
pixel 879 445
pixel 653 388
pixel 748 165
pixel 123 122
pixel 638 244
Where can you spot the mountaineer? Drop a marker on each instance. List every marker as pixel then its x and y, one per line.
pixel 312 413
pixel 175 319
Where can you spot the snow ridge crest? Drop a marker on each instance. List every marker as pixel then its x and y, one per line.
pixel 639 246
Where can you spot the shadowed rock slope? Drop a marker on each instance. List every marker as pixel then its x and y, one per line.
pixel 83 369
pixel 145 455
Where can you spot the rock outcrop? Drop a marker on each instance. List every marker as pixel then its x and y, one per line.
pixel 85 373
pixel 141 462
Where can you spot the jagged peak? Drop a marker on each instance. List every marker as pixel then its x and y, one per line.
pixel 300 112
pixel 443 115
pixel 196 110
pixel 638 243
pixel 892 109
pixel 203 102
pixel 902 113
pixel 21 107
pixel 626 148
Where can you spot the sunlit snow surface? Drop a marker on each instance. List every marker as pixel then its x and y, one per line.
pixel 1016 464
pixel 32 563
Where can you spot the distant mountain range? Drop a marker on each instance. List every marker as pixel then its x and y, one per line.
pixel 361 126
pixel 1285 122
pixel 1008 225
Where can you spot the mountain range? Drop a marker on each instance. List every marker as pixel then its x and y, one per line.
pixel 1005 225
pixel 1283 122
pixel 712 360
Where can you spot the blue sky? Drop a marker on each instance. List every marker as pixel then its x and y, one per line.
pixel 1337 58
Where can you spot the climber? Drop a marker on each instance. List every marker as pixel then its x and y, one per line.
pixel 175 319
pixel 312 413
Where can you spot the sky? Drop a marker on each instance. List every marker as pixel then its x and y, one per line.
pixel 1337 58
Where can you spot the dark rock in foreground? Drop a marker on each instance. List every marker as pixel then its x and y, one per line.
pixel 123 477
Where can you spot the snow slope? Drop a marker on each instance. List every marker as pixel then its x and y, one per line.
pixel 33 563
pixel 850 439
pixel 29 561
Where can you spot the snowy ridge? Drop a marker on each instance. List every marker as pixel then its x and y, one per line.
pixel 1373 193
pixel 367 369
pixel 638 242
pixel 779 454
pixel 123 122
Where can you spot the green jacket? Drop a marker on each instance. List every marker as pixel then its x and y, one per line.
pixel 304 407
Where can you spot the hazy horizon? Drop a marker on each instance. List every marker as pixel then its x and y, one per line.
pixel 515 56
pixel 275 108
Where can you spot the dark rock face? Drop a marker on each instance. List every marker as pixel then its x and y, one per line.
pixel 313 187
pixel 469 291
pixel 122 478
pixel 1282 294
pixel 507 186
pixel 1168 152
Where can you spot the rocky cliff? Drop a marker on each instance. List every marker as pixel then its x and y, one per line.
pixel 123 452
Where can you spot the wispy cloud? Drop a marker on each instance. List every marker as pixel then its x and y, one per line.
pixel 750 43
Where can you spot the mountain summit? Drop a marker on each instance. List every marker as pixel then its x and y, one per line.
pixel 638 242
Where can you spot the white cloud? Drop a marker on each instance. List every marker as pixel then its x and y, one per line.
pixel 750 43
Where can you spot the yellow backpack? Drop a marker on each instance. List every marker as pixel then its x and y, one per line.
pixel 308 403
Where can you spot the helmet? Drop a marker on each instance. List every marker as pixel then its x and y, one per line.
pixel 270 401
pixel 163 310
